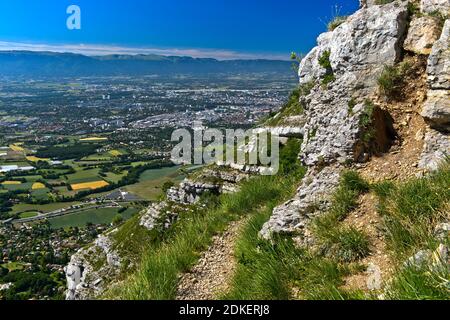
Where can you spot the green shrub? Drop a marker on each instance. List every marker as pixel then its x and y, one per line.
pixel 392 79
pixel 324 60
pixel 413 9
pixel 305 88
pixel 289 163
pixel 382 2
pixel 327 79
pixel 351 105
pixel 291 108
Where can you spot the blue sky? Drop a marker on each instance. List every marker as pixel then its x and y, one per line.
pixel 217 28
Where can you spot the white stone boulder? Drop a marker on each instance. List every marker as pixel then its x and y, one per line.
pixel 422 34
pixel 431 6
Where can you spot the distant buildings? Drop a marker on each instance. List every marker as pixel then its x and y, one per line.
pixel 10 168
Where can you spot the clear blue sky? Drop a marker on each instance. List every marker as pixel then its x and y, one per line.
pixel 266 27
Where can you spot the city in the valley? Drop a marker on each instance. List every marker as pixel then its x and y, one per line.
pixel 79 155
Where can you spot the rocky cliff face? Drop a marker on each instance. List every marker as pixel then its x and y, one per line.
pixel 344 123
pixel 343 69
pixel 89 268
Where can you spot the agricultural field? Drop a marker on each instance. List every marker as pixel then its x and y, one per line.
pixel 36 159
pixel 69 172
pixel 16 147
pixel 43 208
pixel 89 185
pixel 38 186
pixel 28 215
pixel 93 139
pixel 94 216
pixel 151 181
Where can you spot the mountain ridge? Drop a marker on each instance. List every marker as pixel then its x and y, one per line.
pixel 48 63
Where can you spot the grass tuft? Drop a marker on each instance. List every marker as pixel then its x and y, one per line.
pixel 412 209
pixel 336 22
pixel 391 80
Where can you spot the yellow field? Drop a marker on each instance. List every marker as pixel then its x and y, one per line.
pixel 11 182
pixel 115 153
pixel 37 186
pixel 93 139
pixel 89 185
pixel 16 147
pixel 36 159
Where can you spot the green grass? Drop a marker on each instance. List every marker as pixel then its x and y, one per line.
pixel 336 22
pixel 291 108
pixel 420 283
pixel 271 270
pixel 320 278
pixel 412 209
pixel 23 207
pixel 82 176
pixel 349 244
pixel 391 80
pixel 157 275
pixel 131 241
pixel 28 215
pixel 345 244
pixel 264 269
pixel 151 182
pixel 22 186
pixel 95 216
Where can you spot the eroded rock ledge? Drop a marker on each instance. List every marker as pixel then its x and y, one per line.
pixel 334 136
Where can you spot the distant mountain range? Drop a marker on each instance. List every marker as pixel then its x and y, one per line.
pixel 51 64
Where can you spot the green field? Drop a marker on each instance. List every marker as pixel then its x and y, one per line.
pixel 13 266
pixel 84 176
pixel 28 215
pixel 22 186
pixel 112 177
pixel 33 178
pixel 151 181
pixel 95 216
pixel 23 207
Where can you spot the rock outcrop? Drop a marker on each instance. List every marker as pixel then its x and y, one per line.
pixel 312 198
pixel 90 267
pixel 431 6
pixel 190 191
pixel 436 110
pixel 344 66
pixel 158 216
pixel 422 34
pixel 210 180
